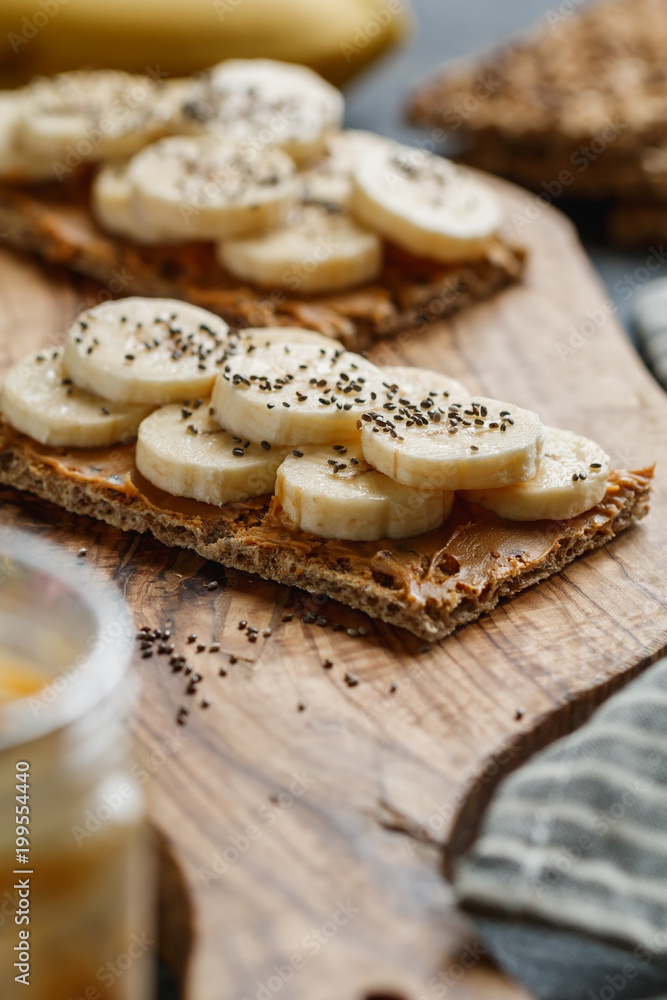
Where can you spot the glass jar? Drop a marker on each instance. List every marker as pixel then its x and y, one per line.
pixel 76 878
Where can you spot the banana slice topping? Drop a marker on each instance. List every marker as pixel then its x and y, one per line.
pixel 329 180
pixel 263 336
pixel 39 398
pixel 113 207
pixel 207 188
pixel 16 163
pixel 183 450
pixel 262 103
pixel 424 203
pixel 93 115
pixel 139 350
pixel 414 385
pixel 289 394
pixel 452 445
pixel 332 492
pixel 571 478
pixel 319 250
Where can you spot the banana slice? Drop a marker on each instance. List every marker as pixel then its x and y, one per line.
pixel 419 384
pixel 90 115
pixel 329 181
pixel 181 449
pixel 15 163
pixel 570 479
pixel 39 399
pixel 332 492
pixel 424 203
pixel 262 336
pixel 288 393
pixel 461 444
pixel 207 188
pixel 320 250
pixel 140 350
pixel 113 208
pixel 261 102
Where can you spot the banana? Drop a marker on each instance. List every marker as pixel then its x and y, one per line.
pixel 262 103
pixel 571 478
pixel 15 163
pixel 91 115
pixel 329 181
pixel 332 492
pixel 112 206
pixel 320 250
pixel 39 399
pixel 207 188
pixel 181 449
pixel 455 445
pixel 262 336
pixel 424 203
pixel 295 394
pixel 140 350
pixel 344 37
pixel 417 384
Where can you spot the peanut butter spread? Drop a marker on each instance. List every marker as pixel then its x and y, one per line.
pixel 472 552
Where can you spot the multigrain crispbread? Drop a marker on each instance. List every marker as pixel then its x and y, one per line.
pixel 429 584
pixel 576 108
pixel 239 190
pixel 55 222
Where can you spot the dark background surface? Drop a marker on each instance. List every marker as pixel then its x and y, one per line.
pixel 445 30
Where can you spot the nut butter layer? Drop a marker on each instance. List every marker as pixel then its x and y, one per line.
pixel 429 585
pixel 54 221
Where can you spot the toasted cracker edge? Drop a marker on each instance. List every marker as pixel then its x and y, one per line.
pixel 20 469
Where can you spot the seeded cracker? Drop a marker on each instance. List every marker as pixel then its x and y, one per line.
pixel 428 585
pixel 55 222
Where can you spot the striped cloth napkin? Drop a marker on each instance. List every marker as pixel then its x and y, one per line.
pixel 650 321
pixel 568 877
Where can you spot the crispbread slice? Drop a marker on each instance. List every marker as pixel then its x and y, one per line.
pixel 583 93
pixel 428 585
pixel 55 222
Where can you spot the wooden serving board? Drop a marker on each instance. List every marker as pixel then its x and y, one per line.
pixel 304 849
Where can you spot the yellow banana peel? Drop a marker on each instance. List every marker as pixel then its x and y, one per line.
pixel 335 37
